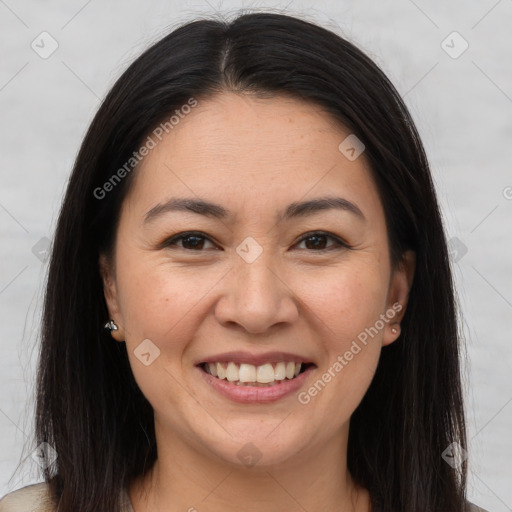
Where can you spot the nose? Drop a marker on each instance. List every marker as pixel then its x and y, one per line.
pixel 257 297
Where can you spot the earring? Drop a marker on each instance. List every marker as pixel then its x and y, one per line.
pixel 395 330
pixel 111 326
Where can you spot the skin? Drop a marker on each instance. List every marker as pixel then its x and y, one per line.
pixel 254 157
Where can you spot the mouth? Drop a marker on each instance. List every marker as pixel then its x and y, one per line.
pixel 269 374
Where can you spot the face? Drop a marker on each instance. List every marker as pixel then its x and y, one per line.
pixel 258 281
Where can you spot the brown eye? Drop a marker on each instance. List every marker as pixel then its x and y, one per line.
pixel 189 241
pixel 195 241
pixel 318 241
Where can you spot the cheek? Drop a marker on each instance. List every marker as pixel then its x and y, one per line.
pixel 346 306
pixel 148 288
pixel 161 301
pixel 348 298
pixel 159 305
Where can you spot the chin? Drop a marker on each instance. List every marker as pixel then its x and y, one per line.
pixel 259 450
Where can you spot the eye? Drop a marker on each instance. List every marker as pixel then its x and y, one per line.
pixel 317 241
pixel 192 241
pixel 196 240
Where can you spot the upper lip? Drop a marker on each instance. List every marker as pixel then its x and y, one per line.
pixel 242 357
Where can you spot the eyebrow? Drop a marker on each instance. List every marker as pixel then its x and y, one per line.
pixel 293 210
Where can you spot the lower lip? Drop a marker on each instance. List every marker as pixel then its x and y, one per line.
pixel 255 394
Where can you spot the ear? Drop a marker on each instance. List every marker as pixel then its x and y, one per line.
pixel 400 284
pixel 110 293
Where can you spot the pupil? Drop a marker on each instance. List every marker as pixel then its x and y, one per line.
pixel 197 244
pixel 317 237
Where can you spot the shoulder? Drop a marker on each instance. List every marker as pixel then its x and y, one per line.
pixel 31 498
pixel 34 498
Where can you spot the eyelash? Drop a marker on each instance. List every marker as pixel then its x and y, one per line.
pixel 339 243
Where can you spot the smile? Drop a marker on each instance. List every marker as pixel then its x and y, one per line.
pixel 264 375
pixel 246 383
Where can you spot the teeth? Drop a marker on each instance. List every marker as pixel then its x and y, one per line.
pixel 221 372
pixel 232 372
pixel 280 372
pixel 248 373
pixel 213 369
pixel 290 370
pixel 265 373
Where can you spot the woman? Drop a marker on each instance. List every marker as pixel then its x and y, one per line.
pixel 249 303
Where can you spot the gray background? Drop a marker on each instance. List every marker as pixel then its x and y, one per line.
pixel 462 107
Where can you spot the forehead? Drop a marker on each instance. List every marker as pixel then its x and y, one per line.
pixel 253 151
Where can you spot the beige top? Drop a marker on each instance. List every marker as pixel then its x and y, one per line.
pixel 33 498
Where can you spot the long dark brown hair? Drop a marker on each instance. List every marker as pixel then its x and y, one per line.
pixel 89 407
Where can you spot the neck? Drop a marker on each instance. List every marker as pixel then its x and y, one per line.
pixel 186 479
